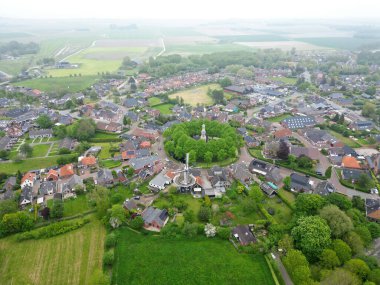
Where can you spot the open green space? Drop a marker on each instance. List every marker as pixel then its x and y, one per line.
pixel 154 101
pixel 29 164
pixel 184 261
pixel 105 152
pixel 286 80
pixel 40 150
pixel 104 135
pixel 56 84
pixel 282 213
pixel 110 163
pixel 73 206
pixel 70 258
pixel 349 142
pixel 279 118
pixel 196 95
pixel 165 108
pixel 202 48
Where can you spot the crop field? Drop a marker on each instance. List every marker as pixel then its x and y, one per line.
pixel 284 45
pixel 184 261
pixel 203 48
pixel 196 95
pixel 73 84
pixel 70 258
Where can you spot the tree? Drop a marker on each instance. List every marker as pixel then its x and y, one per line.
pixel 342 277
pixel 283 151
pixel 286 243
pixel 297 266
pixel 342 250
pixel 225 82
pixel 44 122
pixel 329 259
pixel 7 207
pixel 358 203
pixel 82 129
pixel 26 150
pixel 368 109
pixel 99 196
pixel 189 216
pixel 364 234
pixel 339 200
pixel 287 183
pixel 365 181
pixel 305 162
pixel 16 222
pixel 57 209
pixel 355 242
pixel 204 214
pixel 338 221
pixel 117 216
pixel 374 276
pixel 309 204
pixel 210 230
pixel 358 267
pixel 311 235
pixel 341 119
pixel 208 157
pixel 190 230
pixel 126 121
pixel 256 193
pixel 137 223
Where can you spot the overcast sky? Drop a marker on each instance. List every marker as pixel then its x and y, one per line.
pixel 192 9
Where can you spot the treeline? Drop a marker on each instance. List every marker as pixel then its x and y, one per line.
pixel 15 48
pixel 180 140
pixel 172 64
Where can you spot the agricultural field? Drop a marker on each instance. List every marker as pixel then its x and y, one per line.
pixel 70 258
pixel 165 108
pixel 196 261
pixel 72 84
pixel 283 45
pixel 196 95
pixel 202 48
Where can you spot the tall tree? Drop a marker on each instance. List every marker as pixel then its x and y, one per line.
pixel 26 150
pixel 283 151
pixel 338 221
pixel 44 121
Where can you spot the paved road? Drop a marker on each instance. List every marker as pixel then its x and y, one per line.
pixel 283 271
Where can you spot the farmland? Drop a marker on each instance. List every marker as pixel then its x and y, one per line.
pixel 197 95
pixel 73 84
pixel 196 261
pixel 66 259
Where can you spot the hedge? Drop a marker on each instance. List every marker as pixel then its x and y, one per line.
pixel 103 140
pixel 267 215
pixel 286 201
pixel 328 172
pixel 52 230
pixel 350 185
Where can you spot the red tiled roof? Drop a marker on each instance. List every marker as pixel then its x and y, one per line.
pixel 67 170
pixel 52 172
pixel 350 162
pixel 145 144
pixel 89 160
pixel 283 133
pixel 28 176
pixel 375 215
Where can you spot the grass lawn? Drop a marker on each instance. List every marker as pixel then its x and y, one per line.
pixel 288 195
pixel 28 164
pixel 105 152
pixel 70 258
pixel 286 80
pixel 343 139
pixel 195 261
pixel 111 163
pixel 165 109
pixel 73 206
pixel 154 101
pixel 282 213
pixel 278 118
pixel 73 84
pixel 192 203
pixel 40 150
pixel 196 95
pixel 101 135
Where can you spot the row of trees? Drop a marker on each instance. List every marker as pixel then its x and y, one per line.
pixel 223 141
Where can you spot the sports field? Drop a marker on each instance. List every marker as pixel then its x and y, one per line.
pixel 70 258
pixel 180 261
pixel 196 95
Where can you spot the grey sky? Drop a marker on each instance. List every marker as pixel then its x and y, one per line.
pixel 192 9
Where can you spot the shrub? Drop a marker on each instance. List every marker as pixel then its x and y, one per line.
pixel 108 257
pixel 190 230
pixel 110 240
pixel 224 233
pixel 137 223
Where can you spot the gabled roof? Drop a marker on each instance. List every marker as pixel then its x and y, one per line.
pixel 350 162
pixel 373 208
pixel 66 170
pixel 28 176
pixel 88 160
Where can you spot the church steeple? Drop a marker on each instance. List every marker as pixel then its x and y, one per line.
pixel 203 133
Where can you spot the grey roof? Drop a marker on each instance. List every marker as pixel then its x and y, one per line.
pixel 130 204
pixel 317 136
pixel 159 181
pixel 151 215
pixel 244 234
pixel 353 174
pixel 41 132
pixel 299 182
pixel 138 163
pixel 299 122
pixel 46 187
pixel 105 176
pixel 324 188
pixel 4 143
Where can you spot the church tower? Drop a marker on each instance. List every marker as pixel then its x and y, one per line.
pixel 203 133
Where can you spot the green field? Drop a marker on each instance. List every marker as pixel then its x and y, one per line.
pixel 165 109
pixel 184 261
pixel 28 164
pixel 73 206
pixel 196 95
pixel 278 119
pixel 40 150
pixel 72 84
pixel 69 259
pixel 286 80
pixel 202 48
pixel 110 163
pixel 154 101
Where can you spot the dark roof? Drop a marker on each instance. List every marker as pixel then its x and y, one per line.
pixel 372 208
pixel 244 234
pixel 324 188
pixel 299 122
pixel 299 182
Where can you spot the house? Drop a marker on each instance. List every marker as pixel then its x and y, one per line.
pixel 300 183
pixel 274 175
pixel 352 174
pixel 160 181
pixel 299 122
pixel 43 133
pixel 282 134
pixel 259 167
pixel 243 235
pixel 240 172
pixel 67 186
pixel 238 90
pixel 28 180
pixel 52 175
pixel 130 205
pixel 87 161
pixel 231 108
pixel 26 197
pixel 6 143
pixel 350 162
pixel 324 188
pixel 267 189
pixel 139 164
pixel 336 96
pixel 362 125
pixel 104 177
pixel 372 209
pixel 109 127
pixel 155 218
pixel 10 183
pixel 319 138
pixel 66 171
pixel 147 134
pixel 47 188
pixel 299 151
pixel 251 141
